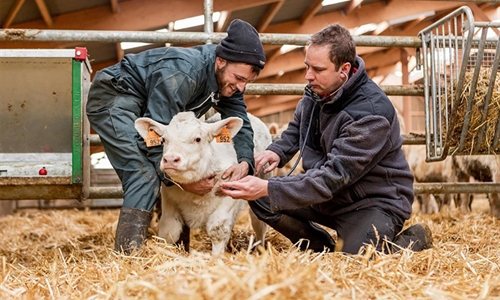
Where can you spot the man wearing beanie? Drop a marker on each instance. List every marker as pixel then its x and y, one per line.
pixel 159 83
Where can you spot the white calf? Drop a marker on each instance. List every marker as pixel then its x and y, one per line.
pixel 194 150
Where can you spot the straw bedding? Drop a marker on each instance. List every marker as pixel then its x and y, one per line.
pixel 478 121
pixel 66 254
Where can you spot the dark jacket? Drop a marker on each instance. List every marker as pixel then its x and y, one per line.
pixel 352 156
pixel 174 79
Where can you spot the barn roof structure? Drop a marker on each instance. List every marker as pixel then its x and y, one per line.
pixel 397 18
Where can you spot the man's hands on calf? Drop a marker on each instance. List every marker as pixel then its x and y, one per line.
pixel 204 186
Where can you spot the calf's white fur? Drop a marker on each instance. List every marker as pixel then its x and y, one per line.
pixel 191 153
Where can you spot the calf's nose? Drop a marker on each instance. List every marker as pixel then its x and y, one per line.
pixel 171 160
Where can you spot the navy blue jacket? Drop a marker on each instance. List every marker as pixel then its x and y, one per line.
pixel 352 157
pixel 174 79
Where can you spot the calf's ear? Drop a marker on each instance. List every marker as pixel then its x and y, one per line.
pixel 232 124
pixel 143 125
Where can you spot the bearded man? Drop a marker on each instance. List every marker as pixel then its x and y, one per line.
pixel 159 83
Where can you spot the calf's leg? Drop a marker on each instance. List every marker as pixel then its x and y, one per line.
pixel 259 228
pixel 219 231
pixel 170 226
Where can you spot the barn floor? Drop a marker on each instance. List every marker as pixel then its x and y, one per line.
pixel 67 254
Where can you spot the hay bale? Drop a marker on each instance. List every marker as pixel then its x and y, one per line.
pixel 478 121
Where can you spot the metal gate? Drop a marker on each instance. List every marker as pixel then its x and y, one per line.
pixel 462 89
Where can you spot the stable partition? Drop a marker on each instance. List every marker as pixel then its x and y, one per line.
pixel 43 154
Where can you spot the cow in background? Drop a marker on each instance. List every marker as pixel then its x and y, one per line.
pixel 484 168
pixel 192 150
pixel 439 171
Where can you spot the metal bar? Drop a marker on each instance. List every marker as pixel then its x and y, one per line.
pixel 468 26
pixel 36 35
pixel 86 129
pixel 472 93
pixel 298 89
pixel 408 139
pixel 459 11
pixel 496 61
pixel 209 23
pixel 481 137
pixel 105 192
pixel 441 87
pixel 426 92
pixel 458 187
pixel 43 191
pixel 419 188
pixel 77 133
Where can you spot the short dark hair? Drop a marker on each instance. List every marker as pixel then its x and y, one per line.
pixel 342 46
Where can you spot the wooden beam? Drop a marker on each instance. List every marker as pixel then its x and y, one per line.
pixel 479 15
pixel 349 8
pixel 271 54
pixel 382 71
pixel 405 80
pixel 263 101
pixel 269 15
pixel 363 15
pixel 115 7
pixel 12 13
pixel 381 27
pixel 45 13
pixel 294 60
pixel 291 61
pixel 269 110
pixel 223 21
pixel 311 11
pixel 138 15
pixel 119 52
pixel 134 15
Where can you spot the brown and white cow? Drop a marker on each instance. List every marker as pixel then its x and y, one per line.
pixel 426 172
pixel 483 168
pixel 191 152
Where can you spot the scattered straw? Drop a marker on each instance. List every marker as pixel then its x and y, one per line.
pixel 66 254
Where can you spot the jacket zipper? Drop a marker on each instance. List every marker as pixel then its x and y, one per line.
pixel 205 101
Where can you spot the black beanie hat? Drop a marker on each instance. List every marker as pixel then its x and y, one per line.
pixel 242 44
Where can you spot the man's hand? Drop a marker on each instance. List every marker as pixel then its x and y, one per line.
pixel 265 157
pixel 247 188
pixel 201 187
pixel 236 171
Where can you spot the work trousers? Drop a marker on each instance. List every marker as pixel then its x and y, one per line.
pixel 112 111
pixel 356 229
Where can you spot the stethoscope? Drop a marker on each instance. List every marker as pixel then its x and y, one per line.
pixel 317 100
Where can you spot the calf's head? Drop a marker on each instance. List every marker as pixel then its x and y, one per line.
pixel 188 150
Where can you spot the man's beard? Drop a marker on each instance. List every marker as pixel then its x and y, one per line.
pixel 221 83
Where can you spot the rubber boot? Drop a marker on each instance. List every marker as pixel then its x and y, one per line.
pixel 132 229
pixel 417 237
pixel 306 233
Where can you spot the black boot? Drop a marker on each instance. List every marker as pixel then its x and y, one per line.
pixel 418 236
pixel 313 237
pixel 132 229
